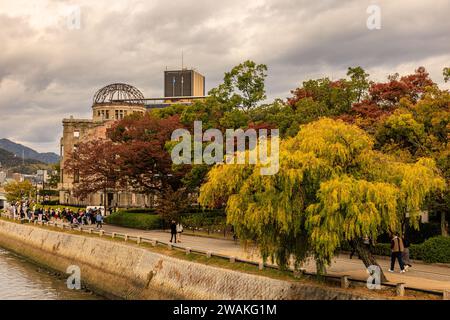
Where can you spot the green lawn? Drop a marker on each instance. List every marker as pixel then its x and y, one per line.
pixel 128 219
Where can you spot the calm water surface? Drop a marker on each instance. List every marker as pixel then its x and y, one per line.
pixel 20 279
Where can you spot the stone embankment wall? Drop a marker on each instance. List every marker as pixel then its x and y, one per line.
pixel 130 272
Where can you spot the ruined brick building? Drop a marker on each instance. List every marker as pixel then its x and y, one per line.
pixel 110 104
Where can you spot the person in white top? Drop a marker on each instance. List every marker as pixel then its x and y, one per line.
pixel 179 231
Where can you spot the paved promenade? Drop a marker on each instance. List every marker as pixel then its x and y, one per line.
pixel 430 277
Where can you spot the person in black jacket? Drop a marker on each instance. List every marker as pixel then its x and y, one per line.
pixel 173 231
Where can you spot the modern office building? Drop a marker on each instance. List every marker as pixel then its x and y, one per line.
pixel 183 83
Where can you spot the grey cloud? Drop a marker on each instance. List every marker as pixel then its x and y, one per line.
pixel 48 73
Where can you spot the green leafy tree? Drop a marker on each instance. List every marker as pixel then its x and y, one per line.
pixel 446 73
pixel 359 82
pixel 18 191
pixel 55 176
pixel 332 188
pixel 242 87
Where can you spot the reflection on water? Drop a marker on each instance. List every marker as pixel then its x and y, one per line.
pixel 22 280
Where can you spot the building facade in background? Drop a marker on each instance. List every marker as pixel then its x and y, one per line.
pixel 113 103
pixel 183 83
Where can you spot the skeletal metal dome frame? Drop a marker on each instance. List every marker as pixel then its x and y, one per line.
pixel 117 92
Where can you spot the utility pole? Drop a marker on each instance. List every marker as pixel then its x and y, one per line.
pixel 182 59
pixel 182 68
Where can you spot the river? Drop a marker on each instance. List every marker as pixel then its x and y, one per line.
pixel 22 280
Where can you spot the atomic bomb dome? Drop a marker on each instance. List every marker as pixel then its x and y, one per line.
pixel 117 100
pixel 118 91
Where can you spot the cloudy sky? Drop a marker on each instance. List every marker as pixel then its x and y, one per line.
pixel 51 66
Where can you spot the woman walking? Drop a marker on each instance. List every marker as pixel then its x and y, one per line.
pixel 405 255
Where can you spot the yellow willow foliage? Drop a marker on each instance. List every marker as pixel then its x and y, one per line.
pixel 414 180
pixel 349 209
pixel 333 141
pixel 331 187
pixel 227 179
pixel 419 179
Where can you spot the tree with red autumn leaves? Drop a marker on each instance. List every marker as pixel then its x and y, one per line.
pixel 143 157
pixel 411 86
pixel 384 98
pixel 133 158
pixel 95 167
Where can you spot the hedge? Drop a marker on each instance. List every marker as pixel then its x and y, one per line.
pixel 436 249
pixel 135 220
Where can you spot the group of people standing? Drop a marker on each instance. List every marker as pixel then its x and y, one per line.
pixel 29 210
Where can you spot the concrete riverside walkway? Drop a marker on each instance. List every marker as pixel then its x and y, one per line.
pixel 421 275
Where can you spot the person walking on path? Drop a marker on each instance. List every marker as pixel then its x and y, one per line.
pixel 99 220
pixel 397 249
pixel 405 255
pixel 179 231
pixel 173 231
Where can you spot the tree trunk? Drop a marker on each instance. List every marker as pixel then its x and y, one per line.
pixel 367 257
pixel 321 269
pixel 105 200
pixel 444 231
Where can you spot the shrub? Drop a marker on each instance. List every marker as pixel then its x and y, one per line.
pixel 436 249
pixel 415 251
pixel 135 220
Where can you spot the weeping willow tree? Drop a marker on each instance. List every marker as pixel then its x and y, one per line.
pixel 332 188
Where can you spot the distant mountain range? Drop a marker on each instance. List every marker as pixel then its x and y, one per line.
pixel 11 162
pixel 27 153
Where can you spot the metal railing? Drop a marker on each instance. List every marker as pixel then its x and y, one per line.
pixel 344 280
